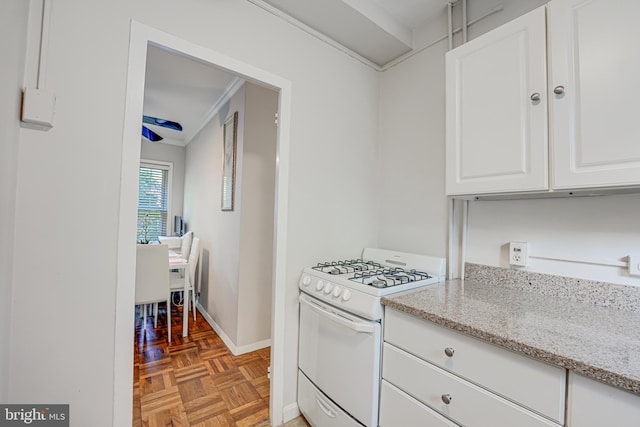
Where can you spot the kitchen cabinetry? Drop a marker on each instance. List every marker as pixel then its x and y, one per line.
pixel 498 100
pixel 449 377
pixel 496 135
pixel 594 55
pixel 594 404
pixel 400 409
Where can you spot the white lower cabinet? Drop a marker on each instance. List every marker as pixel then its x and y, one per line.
pixel 400 409
pixel 453 397
pixel 468 381
pixel 594 404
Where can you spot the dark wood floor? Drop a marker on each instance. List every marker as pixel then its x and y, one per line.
pixel 196 381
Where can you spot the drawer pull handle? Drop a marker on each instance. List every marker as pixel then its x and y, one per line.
pixel 449 351
pixel 535 97
pixel 446 398
pixel 558 90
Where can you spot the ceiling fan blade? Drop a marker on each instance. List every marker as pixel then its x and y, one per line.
pixel 161 122
pixel 151 135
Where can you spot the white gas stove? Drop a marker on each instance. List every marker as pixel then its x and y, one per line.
pixel 340 334
pixel 357 285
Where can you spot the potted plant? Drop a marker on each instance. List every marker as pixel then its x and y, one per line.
pixel 143 229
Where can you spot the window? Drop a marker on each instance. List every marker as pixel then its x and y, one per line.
pixel 153 200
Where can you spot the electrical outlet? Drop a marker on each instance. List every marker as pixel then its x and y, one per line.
pixel 634 265
pixel 518 253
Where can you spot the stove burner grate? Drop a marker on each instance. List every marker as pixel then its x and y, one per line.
pixel 387 277
pixel 347 266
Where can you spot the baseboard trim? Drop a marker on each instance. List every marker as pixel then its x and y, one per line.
pixel 252 347
pixel 225 338
pixel 290 412
pixel 235 350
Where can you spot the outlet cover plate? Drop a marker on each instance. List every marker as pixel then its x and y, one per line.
pixel 518 254
pixel 634 265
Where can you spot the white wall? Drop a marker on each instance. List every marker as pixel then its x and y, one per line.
pixel 237 246
pixel 578 234
pixel 218 230
pixel 13 27
pixel 257 197
pixel 175 155
pixel 412 205
pixel 73 173
pixel 413 209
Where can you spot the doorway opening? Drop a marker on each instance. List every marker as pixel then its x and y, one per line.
pixel 141 37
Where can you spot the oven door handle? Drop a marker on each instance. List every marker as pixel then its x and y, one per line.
pixel 366 328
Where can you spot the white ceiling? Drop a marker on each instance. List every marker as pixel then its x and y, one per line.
pixel 413 13
pixel 185 90
pixel 378 30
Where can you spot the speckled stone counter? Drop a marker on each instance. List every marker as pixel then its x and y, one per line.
pixel 596 341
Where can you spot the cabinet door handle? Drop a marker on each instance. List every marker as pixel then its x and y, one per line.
pixel 535 97
pixel 558 90
pixel 449 351
pixel 446 398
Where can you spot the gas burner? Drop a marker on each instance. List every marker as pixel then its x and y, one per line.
pixel 387 277
pixel 357 285
pixel 347 266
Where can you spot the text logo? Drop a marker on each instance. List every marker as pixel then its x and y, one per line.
pixel 34 415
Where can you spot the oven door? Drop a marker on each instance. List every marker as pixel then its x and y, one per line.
pixel 340 354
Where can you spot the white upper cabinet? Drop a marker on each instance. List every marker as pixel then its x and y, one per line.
pixel 498 101
pixel 594 54
pixel 496 133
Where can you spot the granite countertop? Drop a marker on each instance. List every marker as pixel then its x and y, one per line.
pixel 599 342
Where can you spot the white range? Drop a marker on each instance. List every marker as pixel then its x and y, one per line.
pixel 340 343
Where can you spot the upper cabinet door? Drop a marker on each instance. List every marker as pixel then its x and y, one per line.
pixel 497 110
pixel 595 70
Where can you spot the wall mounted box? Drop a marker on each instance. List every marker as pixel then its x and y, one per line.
pixel 38 109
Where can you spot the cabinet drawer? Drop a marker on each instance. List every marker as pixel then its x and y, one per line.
pixel 399 409
pixel 470 405
pixel 535 385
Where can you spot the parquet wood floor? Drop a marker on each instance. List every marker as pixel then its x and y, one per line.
pixel 196 381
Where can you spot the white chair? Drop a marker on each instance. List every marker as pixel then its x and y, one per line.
pixel 177 279
pixel 152 280
pixel 185 245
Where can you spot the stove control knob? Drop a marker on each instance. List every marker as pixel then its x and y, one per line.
pixel 328 287
pixel 346 295
pixel 337 291
pixel 319 285
pixel 306 280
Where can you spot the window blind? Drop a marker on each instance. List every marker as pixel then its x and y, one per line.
pixel 153 203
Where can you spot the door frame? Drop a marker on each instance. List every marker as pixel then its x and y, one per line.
pixel 140 37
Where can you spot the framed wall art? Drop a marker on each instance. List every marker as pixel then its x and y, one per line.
pixel 229 162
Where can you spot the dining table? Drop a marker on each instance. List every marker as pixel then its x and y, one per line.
pixel 178 263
